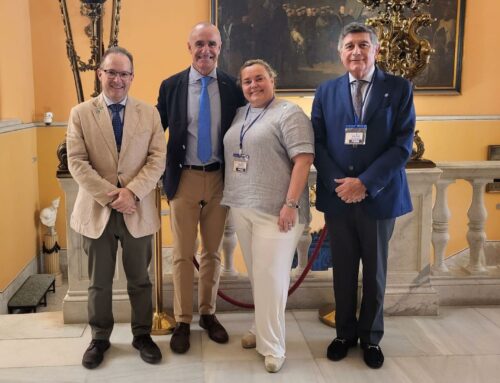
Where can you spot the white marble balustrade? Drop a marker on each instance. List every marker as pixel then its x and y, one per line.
pixel 417 282
pixel 477 174
pixel 471 276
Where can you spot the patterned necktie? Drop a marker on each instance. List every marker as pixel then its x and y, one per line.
pixel 117 123
pixel 204 122
pixel 357 101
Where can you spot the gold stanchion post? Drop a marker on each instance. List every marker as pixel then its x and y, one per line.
pixel 162 323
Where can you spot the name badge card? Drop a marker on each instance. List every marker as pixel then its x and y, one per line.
pixel 240 162
pixel 355 135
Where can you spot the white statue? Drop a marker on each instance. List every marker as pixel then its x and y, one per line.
pixel 49 214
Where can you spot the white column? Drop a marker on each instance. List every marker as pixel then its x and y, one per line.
pixel 475 235
pixel 440 218
pixel 228 245
pixel 302 251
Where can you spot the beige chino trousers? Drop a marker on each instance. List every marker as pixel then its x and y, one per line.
pixel 197 203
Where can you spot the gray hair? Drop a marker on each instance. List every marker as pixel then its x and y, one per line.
pixel 269 69
pixel 356 27
pixel 118 50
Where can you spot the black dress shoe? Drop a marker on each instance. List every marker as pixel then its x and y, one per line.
pixel 150 353
pixel 215 330
pixel 337 350
pixel 94 354
pixel 179 342
pixel 372 355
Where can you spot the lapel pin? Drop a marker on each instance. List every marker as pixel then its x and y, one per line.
pixel 386 95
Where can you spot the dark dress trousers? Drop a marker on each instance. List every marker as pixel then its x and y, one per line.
pixel 361 231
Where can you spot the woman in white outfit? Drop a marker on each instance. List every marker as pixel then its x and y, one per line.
pixel 268 150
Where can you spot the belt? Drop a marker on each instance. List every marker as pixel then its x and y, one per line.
pixel 205 168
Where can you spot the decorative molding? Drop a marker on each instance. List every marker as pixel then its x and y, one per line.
pixel 8 126
pixel 460 118
pixel 13 125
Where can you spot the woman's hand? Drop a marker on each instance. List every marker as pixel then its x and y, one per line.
pixel 287 218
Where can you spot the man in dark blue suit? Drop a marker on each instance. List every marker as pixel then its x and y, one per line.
pixel 364 123
pixel 197 106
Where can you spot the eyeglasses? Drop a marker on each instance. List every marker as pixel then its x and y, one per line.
pixel 112 74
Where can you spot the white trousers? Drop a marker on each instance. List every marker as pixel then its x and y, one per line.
pixel 268 255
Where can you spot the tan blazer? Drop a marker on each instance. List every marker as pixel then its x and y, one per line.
pixel 97 167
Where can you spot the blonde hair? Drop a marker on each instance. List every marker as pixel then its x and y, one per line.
pixel 269 69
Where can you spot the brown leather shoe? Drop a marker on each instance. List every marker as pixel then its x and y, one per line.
pixel 179 342
pixel 94 354
pixel 216 331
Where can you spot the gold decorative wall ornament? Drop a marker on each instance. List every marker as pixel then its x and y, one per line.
pixel 402 51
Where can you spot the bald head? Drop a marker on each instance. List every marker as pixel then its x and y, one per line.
pixel 204 44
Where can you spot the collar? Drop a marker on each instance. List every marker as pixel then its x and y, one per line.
pixel 195 76
pixel 110 102
pixel 367 77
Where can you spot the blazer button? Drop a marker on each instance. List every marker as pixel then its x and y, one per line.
pixel 120 173
pixel 180 165
pixel 184 147
pixel 351 168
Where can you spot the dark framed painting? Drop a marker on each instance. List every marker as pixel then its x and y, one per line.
pixel 299 39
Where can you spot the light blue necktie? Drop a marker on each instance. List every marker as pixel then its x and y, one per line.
pixel 204 122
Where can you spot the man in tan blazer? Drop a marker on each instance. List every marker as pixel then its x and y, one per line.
pixel 116 154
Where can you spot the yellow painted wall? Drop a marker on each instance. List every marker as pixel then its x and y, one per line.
pixel 16 64
pixel 19 196
pixel 155 31
pixel 48 138
pixel 18 150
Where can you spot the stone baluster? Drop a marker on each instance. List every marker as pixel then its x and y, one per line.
pixel 440 218
pixel 475 235
pixel 228 245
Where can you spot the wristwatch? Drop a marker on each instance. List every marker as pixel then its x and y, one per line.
pixel 291 203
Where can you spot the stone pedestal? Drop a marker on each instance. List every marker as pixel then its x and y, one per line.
pixel 75 301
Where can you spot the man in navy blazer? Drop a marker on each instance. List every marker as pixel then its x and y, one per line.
pixel 193 177
pixel 364 124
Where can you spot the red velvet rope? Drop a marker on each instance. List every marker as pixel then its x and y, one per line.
pixel 291 289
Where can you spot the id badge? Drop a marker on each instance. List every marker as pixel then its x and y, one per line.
pixel 355 135
pixel 240 162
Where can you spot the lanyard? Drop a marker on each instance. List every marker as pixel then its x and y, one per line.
pixel 244 130
pixel 363 100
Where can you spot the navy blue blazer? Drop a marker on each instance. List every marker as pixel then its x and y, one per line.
pixel 172 105
pixel 380 164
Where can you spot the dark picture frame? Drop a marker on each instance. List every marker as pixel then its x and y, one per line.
pixel 299 39
pixel 493 155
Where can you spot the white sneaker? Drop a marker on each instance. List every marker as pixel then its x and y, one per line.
pixel 273 364
pixel 248 340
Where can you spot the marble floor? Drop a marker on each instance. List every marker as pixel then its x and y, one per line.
pixel 461 345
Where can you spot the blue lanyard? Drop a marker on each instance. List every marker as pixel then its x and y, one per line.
pixel 244 130
pixel 363 100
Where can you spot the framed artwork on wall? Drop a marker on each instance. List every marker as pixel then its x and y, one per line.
pixel 299 39
pixel 493 155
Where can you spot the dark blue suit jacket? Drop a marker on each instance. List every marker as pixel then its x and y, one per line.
pixel 380 164
pixel 172 105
